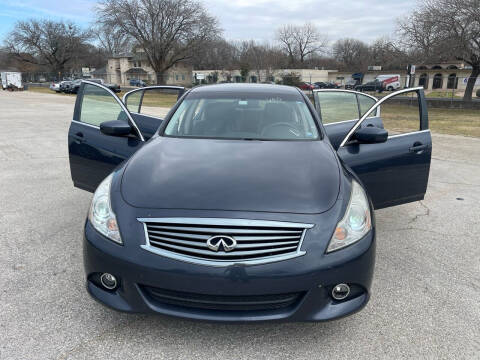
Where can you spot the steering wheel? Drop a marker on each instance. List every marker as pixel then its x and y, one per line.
pixel 291 128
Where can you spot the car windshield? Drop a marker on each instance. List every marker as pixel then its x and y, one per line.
pixel 249 117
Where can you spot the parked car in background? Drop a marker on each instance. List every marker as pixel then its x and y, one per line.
pixel 61 86
pixel 55 86
pixel 72 87
pixel 375 85
pixel 114 87
pixel 76 85
pixel 65 86
pixel 306 86
pixel 350 84
pixel 137 82
pixel 326 85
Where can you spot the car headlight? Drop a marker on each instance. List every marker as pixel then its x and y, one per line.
pixel 101 214
pixel 355 223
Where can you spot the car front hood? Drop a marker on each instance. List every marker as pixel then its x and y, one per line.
pixel 240 175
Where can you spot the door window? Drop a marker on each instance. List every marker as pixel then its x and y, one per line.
pixel 134 101
pixel 155 102
pixel 98 106
pixel 365 103
pixel 335 106
pixel 401 114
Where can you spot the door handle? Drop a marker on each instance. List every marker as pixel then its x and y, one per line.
pixel 418 148
pixel 78 137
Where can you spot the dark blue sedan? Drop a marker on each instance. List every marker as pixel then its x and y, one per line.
pixel 239 202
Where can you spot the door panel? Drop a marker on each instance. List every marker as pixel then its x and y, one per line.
pixel 392 173
pixel 149 105
pixel 396 171
pixel 93 155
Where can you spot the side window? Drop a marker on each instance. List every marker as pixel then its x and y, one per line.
pixel 133 101
pixel 401 114
pixel 98 106
pixel 335 106
pixel 365 103
pixel 155 102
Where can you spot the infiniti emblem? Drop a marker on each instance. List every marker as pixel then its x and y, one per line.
pixel 221 242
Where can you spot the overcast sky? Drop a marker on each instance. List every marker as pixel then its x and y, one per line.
pixel 245 19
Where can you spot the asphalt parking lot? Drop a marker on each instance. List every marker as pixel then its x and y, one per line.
pixel 425 297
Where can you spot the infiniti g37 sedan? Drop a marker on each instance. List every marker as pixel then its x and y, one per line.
pixel 239 202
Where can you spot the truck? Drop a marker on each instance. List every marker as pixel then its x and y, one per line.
pixel 11 80
pixel 390 82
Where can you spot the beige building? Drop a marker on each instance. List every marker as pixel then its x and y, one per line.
pixel 254 76
pixel 121 69
pixel 432 77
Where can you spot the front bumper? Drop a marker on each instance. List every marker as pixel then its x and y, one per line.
pixel 311 277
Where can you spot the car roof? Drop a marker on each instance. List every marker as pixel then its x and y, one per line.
pixel 247 88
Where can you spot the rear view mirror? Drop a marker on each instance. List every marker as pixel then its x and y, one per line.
pixel 370 135
pixel 115 128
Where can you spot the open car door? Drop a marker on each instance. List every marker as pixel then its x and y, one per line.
pixel 393 169
pixel 104 133
pixel 149 106
pixel 340 109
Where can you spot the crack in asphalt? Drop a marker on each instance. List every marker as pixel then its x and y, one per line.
pixel 427 213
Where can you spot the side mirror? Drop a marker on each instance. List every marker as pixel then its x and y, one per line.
pixel 115 128
pixel 370 135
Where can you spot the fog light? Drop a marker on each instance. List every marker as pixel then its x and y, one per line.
pixel 340 291
pixel 108 281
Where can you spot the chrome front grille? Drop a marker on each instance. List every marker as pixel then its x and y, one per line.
pixel 256 241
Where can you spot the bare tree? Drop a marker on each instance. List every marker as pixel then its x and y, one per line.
pixel 112 39
pixel 352 53
pixel 45 42
pixel 285 35
pixel 169 31
pixel 300 42
pixel 389 55
pixel 309 41
pixel 216 54
pixel 449 29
